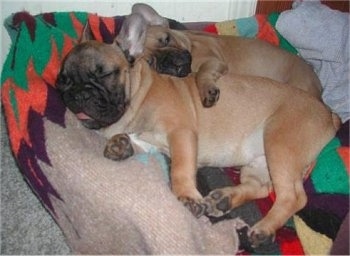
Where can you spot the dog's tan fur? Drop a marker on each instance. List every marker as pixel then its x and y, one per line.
pixel 272 131
pixel 213 56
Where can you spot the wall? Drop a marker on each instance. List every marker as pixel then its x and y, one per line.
pixel 184 11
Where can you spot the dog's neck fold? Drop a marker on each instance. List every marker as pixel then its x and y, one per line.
pixel 138 83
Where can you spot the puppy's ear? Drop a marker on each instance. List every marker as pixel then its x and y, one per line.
pixel 132 36
pixel 150 15
pixel 87 34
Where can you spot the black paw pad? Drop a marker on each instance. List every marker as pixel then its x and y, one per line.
pixel 223 205
pixel 217 203
pixel 222 202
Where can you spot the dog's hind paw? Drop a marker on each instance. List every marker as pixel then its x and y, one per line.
pixel 256 243
pixel 217 203
pixel 211 97
pixel 119 147
pixel 260 239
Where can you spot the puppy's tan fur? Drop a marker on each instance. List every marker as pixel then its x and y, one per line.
pixel 213 56
pixel 270 130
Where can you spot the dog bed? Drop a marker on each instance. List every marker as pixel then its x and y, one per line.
pixel 107 207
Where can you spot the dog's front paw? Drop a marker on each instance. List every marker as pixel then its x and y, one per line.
pixel 119 147
pixel 196 207
pixel 218 202
pixel 211 96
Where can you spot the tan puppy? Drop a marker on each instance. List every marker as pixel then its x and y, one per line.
pixel 213 56
pixel 272 131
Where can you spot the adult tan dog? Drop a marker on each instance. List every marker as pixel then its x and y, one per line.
pixel 272 131
pixel 213 56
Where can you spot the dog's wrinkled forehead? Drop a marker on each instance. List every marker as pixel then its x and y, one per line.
pixel 93 56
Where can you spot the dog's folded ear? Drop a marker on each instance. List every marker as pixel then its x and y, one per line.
pixel 87 34
pixel 154 19
pixel 132 36
pixel 150 15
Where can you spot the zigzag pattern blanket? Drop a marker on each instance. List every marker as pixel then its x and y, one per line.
pixel 29 98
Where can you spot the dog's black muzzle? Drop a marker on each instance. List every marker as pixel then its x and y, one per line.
pixel 172 62
pixel 93 105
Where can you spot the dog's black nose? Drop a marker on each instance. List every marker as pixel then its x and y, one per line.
pixel 173 62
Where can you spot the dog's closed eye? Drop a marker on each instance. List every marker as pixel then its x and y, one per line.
pixel 109 73
pixel 100 73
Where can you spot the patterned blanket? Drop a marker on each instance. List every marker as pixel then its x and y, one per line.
pixel 29 98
